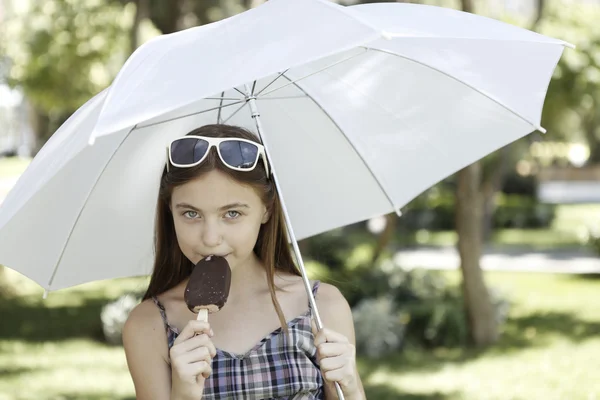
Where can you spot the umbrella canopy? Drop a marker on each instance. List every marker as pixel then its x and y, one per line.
pixel 362 108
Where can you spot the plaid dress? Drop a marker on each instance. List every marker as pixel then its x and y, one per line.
pixel 278 367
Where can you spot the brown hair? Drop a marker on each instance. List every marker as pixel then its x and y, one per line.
pixel 171 267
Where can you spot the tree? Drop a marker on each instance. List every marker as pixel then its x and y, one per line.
pixel 62 53
pixel 572 109
pixel 478 305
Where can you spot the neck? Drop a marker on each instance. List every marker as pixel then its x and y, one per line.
pixel 247 278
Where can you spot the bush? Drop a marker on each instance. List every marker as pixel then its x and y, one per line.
pixel 593 241
pixel 379 327
pixel 516 211
pixel 425 310
pixel 115 314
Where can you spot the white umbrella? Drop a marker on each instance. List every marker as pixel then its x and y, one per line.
pixel 384 100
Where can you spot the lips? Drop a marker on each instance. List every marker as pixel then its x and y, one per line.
pixel 215 255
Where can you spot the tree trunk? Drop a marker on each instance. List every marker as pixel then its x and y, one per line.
pixel 478 305
pixel 142 10
pixel 40 122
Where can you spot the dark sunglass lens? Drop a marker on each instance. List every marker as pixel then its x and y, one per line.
pixel 188 150
pixel 239 154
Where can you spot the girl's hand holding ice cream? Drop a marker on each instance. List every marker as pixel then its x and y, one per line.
pixel 191 358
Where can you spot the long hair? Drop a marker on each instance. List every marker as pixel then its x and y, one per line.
pixel 171 267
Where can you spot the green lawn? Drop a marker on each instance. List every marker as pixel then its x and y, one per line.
pixel 550 347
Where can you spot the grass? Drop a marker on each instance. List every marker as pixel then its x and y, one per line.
pixel 550 348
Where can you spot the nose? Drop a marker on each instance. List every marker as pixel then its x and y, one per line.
pixel 211 234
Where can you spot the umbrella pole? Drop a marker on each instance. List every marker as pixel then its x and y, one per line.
pixel 251 99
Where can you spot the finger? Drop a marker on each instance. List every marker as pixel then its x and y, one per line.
pixel 197 355
pixel 192 328
pixel 336 375
pixel 201 369
pixel 328 336
pixel 193 343
pixel 332 349
pixel 332 363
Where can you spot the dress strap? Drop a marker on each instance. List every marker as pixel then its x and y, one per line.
pixel 163 312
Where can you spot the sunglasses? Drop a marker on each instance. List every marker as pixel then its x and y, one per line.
pixel 237 154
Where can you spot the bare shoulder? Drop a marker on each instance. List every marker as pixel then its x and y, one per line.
pixel 145 317
pixel 335 310
pixel 330 299
pixel 145 344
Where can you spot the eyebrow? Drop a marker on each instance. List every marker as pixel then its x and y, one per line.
pixel 225 207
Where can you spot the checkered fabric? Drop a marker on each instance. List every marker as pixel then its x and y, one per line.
pixel 278 367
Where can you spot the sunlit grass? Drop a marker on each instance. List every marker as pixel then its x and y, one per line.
pixel 550 348
pixel 72 369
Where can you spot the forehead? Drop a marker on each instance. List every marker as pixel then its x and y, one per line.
pixel 213 190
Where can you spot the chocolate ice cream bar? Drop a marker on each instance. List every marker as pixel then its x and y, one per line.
pixel 208 287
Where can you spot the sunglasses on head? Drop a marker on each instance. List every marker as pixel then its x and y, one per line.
pixel 237 154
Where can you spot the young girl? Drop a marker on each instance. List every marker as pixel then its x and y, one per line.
pixel 216 198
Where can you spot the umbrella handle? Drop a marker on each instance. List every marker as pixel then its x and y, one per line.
pixel 307 286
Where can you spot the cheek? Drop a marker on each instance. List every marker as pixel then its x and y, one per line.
pixel 185 236
pixel 243 236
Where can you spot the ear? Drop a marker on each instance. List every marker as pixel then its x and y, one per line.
pixel 266 216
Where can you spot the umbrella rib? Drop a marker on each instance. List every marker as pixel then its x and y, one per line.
pixel 223 98
pixel 240 92
pixel 358 153
pixel 283 98
pixel 235 112
pixel 292 82
pixel 489 96
pixel 87 198
pixel 393 35
pixel 220 108
pixel 272 82
pixel 189 115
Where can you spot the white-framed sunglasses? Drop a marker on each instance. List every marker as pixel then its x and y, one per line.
pixel 235 153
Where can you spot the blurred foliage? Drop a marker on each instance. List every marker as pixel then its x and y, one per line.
pixel 572 108
pixel 426 309
pixel 593 239
pixel 62 52
pixel 435 209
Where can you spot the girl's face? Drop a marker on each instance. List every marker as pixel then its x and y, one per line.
pixel 215 215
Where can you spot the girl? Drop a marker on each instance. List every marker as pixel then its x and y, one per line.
pixel 216 198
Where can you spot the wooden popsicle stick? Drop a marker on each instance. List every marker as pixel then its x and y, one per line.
pixel 202 315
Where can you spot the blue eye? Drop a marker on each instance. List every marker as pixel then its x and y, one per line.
pixel 232 214
pixel 190 214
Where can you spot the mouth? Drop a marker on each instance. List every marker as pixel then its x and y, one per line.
pixel 214 255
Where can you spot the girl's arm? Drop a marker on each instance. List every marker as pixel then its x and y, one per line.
pixel 145 343
pixel 336 344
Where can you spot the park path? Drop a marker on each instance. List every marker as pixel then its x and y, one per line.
pixel 573 261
